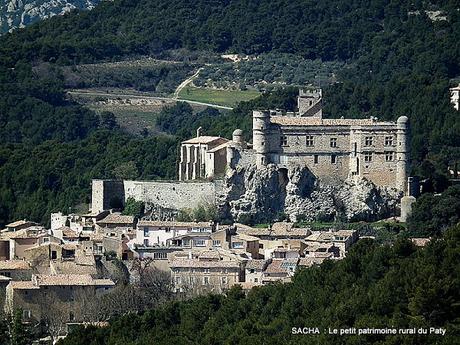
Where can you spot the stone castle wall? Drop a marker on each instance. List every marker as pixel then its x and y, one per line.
pixel 361 148
pixel 170 195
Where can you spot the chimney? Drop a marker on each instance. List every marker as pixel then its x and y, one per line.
pixel 199 131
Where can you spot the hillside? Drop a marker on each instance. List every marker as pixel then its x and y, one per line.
pixel 398 59
pixel 20 13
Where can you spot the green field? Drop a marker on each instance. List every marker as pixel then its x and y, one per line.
pixel 229 98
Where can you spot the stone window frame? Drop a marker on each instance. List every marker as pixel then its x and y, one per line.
pixel 284 141
pixel 216 243
pixel 389 156
pixel 368 141
pixel 315 159
pixel 333 159
pixel 205 280
pixel 309 141
pixel 368 157
pixel 333 142
pixel 389 141
pixel 224 280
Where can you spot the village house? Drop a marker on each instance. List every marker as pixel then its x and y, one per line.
pixel 16 269
pixel 279 270
pixel 33 296
pixel 114 220
pixel 335 242
pixel 212 271
pixel 150 233
pixel 254 270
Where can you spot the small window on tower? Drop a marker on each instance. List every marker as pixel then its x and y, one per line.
pixel 310 141
pixel 368 141
pixel 368 157
pixel 315 159
pixel 333 142
pixel 284 140
pixel 333 159
pixel 388 141
pixel 389 156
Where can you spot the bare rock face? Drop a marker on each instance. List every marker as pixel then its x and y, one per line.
pixel 264 194
pixel 19 13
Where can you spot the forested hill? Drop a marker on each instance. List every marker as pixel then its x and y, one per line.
pixel 378 287
pixel 401 56
pixel 333 29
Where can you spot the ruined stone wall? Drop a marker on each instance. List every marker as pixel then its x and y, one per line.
pixel 173 195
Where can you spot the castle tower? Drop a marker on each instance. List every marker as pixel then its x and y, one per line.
pixel 402 154
pixel 260 125
pixel 310 103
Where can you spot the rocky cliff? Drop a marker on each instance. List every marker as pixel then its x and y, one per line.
pixel 19 13
pixel 265 194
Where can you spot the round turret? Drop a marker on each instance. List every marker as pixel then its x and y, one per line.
pixel 237 136
pixel 403 120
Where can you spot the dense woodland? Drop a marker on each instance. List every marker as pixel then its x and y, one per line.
pixel 399 62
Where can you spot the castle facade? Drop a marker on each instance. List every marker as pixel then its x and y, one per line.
pixel 332 149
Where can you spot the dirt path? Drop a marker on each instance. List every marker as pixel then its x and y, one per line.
pixel 185 83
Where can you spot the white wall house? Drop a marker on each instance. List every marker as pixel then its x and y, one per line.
pixel 157 233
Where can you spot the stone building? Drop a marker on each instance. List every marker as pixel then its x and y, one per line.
pixel 455 96
pixel 333 149
pixel 212 271
pixel 206 157
pixel 35 296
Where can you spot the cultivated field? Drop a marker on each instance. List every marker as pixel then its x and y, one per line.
pixel 229 98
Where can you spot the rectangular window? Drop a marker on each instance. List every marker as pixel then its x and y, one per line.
pixel 238 245
pixel 207 270
pixel 178 280
pixel 167 229
pixel 368 141
pixel 216 243
pixel 389 156
pixel 284 140
pixel 186 243
pixel 224 280
pixel 333 142
pixel 256 280
pixel 146 232
pixel 199 242
pixel 310 141
pixel 368 157
pixel 315 159
pixel 160 256
pixel 205 280
pixel 388 141
pixel 333 159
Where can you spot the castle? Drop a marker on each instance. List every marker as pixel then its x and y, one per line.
pixel 332 149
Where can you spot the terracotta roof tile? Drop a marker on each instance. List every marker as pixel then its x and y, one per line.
pixel 14 265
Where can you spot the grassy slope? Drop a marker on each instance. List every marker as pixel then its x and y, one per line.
pixel 221 97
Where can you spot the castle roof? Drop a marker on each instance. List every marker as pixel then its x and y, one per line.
pixel 204 139
pixel 316 121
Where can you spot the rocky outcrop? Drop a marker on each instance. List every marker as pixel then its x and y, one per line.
pixel 19 13
pixel 265 194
